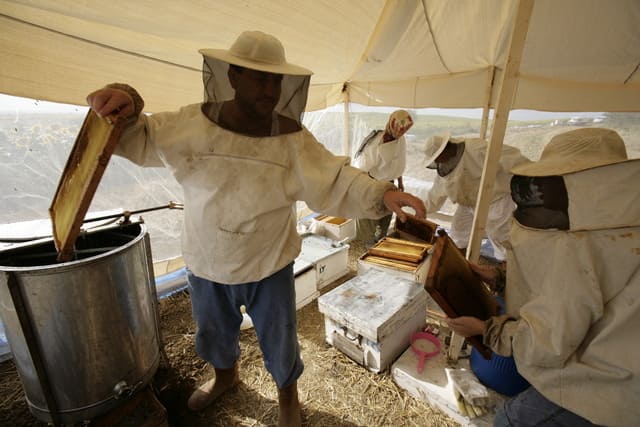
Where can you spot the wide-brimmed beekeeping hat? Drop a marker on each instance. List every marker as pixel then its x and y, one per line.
pixel 575 151
pixel 258 51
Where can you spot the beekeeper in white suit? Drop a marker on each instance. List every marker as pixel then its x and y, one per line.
pixel 243 159
pixel 459 164
pixel 573 286
pixel 383 154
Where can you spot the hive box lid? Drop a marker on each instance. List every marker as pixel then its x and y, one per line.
pixel 315 248
pixel 374 304
pixel 457 289
pixel 85 166
pixel 301 266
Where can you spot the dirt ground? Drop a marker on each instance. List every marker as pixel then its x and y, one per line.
pixel 334 390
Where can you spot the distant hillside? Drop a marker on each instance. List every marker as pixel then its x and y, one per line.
pixel 34 149
pixel 529 136
pixel 33 152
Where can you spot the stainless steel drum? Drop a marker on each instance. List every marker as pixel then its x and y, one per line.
pixel 84 334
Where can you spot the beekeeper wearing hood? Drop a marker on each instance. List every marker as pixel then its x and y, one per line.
pixel 243 159
pixel 459 163
pixel 383 154
pixel 573 286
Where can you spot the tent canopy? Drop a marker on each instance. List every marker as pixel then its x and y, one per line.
pixel 579 55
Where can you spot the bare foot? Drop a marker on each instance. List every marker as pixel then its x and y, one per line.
pixel 205 395
pixel 289 404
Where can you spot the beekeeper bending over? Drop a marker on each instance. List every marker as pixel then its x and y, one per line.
pixel 573 286
pixel 383 154
pixel 459 164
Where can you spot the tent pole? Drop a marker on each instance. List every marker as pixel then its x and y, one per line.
pixel 346 124
pixel 499 125
pixel 494 148
pixel 487 105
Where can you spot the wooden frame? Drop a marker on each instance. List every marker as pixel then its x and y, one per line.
pixel 456 288
pixel 85 166
pixel 416 229
pixel 398 249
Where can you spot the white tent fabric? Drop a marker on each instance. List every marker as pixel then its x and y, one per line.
pixel 579 55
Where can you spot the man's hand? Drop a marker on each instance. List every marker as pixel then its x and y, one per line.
pixel 466 326
pixel 395 200
pixel 111 102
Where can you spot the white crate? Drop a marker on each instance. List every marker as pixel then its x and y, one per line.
pixel 329 257
pixel 371 317
pixel 305 282
pixel 333 227
pixel 433 385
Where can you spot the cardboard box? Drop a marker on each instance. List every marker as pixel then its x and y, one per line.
pixel 371 317
pixel 329 258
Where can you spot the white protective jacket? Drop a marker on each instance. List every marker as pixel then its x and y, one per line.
pixel 384 161
pixel 240 191
pixel 573 300
pixel 461 186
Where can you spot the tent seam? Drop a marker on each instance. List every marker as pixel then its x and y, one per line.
pixel 51 30
pixel 632 74
pixel 433 37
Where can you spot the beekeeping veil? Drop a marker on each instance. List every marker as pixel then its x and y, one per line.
pixel 254 50
pixel 576 289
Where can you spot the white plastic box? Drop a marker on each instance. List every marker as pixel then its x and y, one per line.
pixel 434 386
pixel 333 227
pixel 371 317
pixel 305 282
pixel 329 258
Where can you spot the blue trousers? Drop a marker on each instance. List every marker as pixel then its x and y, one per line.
pixel 530 408
pixel 271 303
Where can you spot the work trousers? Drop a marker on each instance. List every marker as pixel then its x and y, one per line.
pixel 271 304
pixel 530 408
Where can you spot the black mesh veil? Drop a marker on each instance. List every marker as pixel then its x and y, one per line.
pixel 217 90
